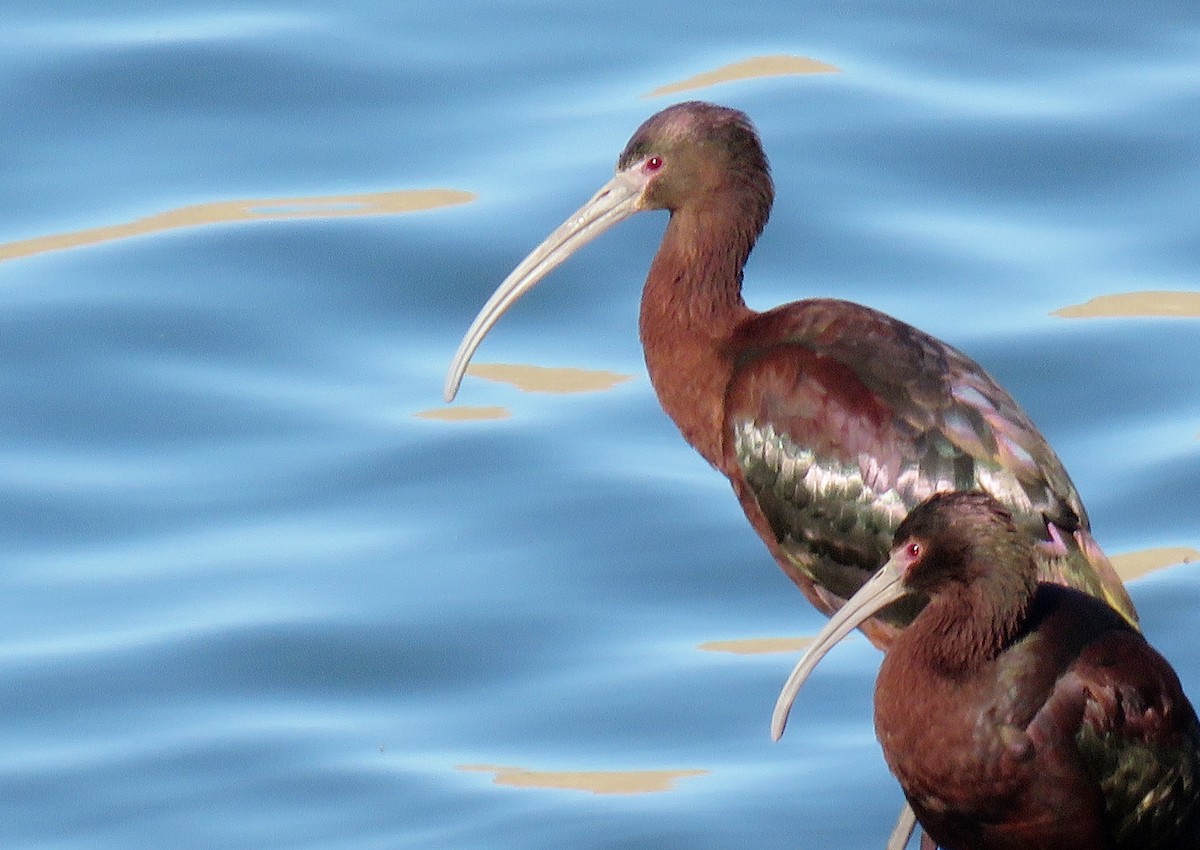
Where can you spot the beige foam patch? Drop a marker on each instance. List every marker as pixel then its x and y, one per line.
pixel 464 413
pixel 756 66
pixel 545 379
pixel 592 781
pixel 1146 304
pixel 253 209
pixel 757 646
pixel 1132 565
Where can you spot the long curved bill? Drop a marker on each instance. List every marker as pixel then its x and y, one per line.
pixel 616 201
pixel 881 590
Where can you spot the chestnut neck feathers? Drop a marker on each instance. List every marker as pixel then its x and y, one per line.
pixel 719 192
pixel 979 574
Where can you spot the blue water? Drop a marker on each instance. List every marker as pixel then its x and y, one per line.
pixel 252 600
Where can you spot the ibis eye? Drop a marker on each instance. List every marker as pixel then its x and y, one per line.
pixel 913 550
pixel 654 163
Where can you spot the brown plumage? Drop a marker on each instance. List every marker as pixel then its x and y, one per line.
pixel 830 419
pixel 1019 715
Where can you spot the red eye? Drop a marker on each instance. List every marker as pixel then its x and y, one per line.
pixel 913 550
pixel 654 163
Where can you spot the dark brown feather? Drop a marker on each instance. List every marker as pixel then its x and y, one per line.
pixel 842 419
pixel 1018 719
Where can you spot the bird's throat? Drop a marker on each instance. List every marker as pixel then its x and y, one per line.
pixel 691 303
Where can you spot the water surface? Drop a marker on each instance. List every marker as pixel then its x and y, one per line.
pixel 262 591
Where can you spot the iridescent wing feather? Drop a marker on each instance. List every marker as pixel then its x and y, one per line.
pixel 841 419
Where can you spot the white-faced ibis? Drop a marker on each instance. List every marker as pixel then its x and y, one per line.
pixel 1017 714
pixel 830 419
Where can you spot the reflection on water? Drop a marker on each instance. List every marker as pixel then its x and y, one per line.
pixel 594 781
pixel 463 413
pixel 758 66
pixel 261 209
pixel 757 646
pixel 1149 304
pixel 530 379
pixel 546 379
pixel 1131 565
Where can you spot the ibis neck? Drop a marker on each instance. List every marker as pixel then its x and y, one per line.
pixel 959 633
pixel 691 303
